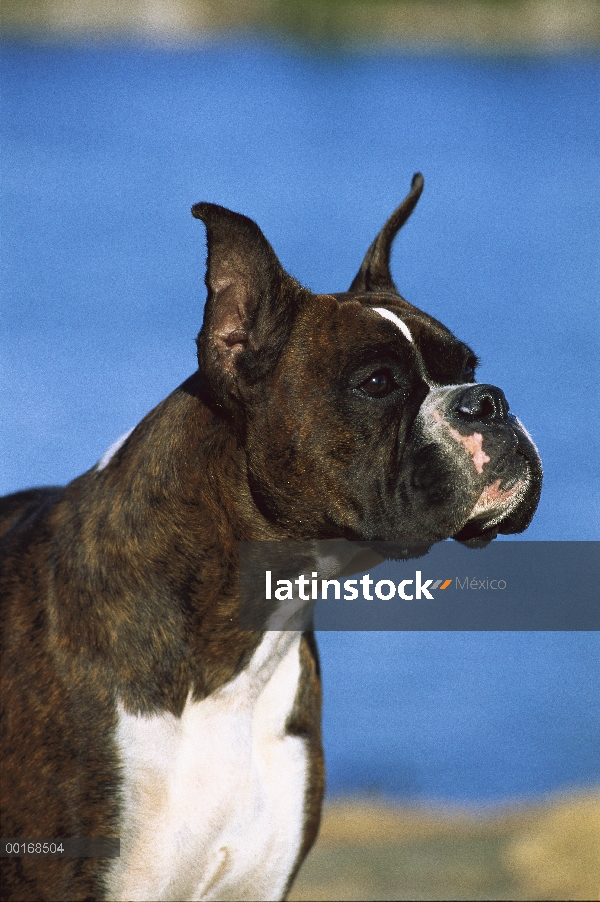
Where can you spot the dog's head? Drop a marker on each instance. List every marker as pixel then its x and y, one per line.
pixel 359 413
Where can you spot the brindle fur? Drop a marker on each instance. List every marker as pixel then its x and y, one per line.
pixel 123 585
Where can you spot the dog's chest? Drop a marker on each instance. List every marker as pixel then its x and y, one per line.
pixel 213 801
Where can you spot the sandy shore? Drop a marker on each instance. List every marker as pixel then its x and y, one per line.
pixel 549 850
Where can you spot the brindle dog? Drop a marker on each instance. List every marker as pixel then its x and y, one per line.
pixel 133 705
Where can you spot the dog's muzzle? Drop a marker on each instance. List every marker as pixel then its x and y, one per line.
pixel 493 457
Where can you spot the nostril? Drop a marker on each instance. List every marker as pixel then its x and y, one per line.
pixel 483 407
pixel 484 403
pixel 487 407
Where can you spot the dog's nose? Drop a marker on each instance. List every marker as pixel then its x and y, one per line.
pixel 484 403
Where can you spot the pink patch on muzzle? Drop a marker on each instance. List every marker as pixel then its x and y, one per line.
pixel 473 445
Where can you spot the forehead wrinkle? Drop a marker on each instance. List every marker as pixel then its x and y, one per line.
pixel 387 314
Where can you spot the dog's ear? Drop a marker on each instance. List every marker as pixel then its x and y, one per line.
pixel 374 274
pixel 250 305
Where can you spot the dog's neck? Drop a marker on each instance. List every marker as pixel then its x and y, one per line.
pixel 158 528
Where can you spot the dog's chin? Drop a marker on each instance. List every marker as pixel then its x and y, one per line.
pixel 501 508
pixel 474 535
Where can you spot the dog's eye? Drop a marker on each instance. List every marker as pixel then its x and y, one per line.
pixel 469 370
pixel 379 384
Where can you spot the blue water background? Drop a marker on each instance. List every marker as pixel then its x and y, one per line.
pixel 104 149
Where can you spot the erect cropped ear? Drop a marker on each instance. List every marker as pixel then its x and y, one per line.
pixel 374 274
pixel 250 306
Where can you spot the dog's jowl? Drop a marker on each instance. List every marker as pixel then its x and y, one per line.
pixel 133 705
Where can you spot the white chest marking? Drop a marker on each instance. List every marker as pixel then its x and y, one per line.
pixel 214 800
pixel 395 320
pixel 110 452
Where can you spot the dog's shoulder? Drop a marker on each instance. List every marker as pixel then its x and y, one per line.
pixel 20 506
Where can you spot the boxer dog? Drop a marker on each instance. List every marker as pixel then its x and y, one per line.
pixel 133 705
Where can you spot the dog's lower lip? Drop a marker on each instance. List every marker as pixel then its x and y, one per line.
pixel 510 494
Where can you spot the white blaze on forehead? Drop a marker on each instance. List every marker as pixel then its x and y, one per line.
pixel 395 320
